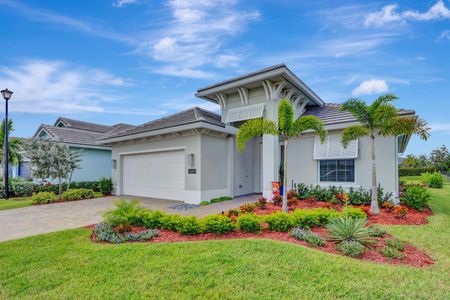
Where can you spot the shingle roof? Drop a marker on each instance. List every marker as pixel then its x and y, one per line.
pixel 192 115
pixel 83 125
pixel 71 135
pixel 330 114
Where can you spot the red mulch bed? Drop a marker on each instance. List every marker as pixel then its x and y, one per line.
pixel 414 217
pixel 413 256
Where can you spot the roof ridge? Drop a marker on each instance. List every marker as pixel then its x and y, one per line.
pixel 166 117
pixel 85 122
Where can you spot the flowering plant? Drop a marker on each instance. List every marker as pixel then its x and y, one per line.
pixel 400 211
pixel 343 198
pixel 262 203
pixel 277 200
pixel 389 206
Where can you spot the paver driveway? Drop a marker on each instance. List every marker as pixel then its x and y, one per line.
pixel 33 220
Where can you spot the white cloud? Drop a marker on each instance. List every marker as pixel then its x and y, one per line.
pixel 389 14
pixel 445 35
pixel 42 86
pixel 440 127
pixel 120 3
pixel 369 87
pixel 196 37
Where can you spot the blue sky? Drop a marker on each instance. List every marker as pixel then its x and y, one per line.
pixel 111 61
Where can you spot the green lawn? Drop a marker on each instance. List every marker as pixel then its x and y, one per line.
pixel 67 265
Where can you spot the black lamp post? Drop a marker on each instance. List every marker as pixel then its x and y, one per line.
pixel 6 94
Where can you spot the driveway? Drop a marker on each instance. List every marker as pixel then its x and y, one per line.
pixel 33 220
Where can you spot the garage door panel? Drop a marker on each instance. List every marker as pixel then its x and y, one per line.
pixel 154 174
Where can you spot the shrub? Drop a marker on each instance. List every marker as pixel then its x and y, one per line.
pixel 395 244
pixel 106 233
pixel 170 222
pixel 247 208
pixel 249 223
pixel 21 188
pixel 105 186
pixel 400 211
pixel 291 194
pixel 343 198
pixel 391 253
pixel 126 213
pixel 220 199
pixel 217 224
pixel 359 197
pixel 44 197
pixel 262 203
pixel 302 190
pixel 349 229
pixel 141 236
pixel 277 200
pixel 307 218
pixel 415 196
pixel 433 180
pixel 308 236
pixel 292 202
pixel 377 231
pixel 351 248
pixel 388 205
pixel 205 203
pixel 414 171
pixel 233 213
pixel 189 226
pixel 152 219
pixel 353 212
pixel 321 194
pixel 77 194
pixel 279 221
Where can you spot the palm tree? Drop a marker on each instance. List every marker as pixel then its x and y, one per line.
pixel 287 128
pixel 14 146
pixel 380 118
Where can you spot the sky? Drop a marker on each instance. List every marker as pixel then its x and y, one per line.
pixel 132 61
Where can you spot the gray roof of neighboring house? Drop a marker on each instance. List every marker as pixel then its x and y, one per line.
pixel 192 115
pixel 330 114
pixel 83 125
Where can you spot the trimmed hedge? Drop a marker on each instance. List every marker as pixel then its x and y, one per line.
pixel 91 185
pixel 77 194
pixel 414 171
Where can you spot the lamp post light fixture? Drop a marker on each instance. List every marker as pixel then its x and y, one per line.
pixel 6 94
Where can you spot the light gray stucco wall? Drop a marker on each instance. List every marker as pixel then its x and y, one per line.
pixel 244 169
pixel 215 160
pixel 304 169
pixel 95 163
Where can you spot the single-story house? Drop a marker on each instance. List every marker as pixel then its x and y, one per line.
pixel 191 155
pixel 83 137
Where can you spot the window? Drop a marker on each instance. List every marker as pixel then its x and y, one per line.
pixel 337 170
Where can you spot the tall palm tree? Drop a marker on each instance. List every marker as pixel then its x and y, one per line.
pixel 14 146
pixel 380 118
pixel 287 128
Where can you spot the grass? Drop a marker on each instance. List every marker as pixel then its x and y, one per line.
pixel 67 265
pixel 23 202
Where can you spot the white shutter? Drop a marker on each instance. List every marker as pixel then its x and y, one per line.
pixel 245 113
pixel 333 149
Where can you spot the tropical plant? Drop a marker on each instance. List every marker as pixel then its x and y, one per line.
pixel 380 118
pixel 126 213
pixel 14 145
pixel 391 253
pixel 351 248
pixel 105 185
pixel 396 244
pixel 349 229
pixel 307 236
pixel 249 223
pixel 286 128
pixel 377 231
pixel 219 224
pixel 415 196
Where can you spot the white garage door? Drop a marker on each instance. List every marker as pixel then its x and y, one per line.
pixel 157 175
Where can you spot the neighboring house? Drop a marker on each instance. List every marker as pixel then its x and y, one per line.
pixel 191 156
pixel 83 137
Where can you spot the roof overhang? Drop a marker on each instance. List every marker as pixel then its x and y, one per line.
pixel 195 125
pixel 277 73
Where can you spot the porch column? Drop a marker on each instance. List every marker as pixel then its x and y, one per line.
pixel 270 163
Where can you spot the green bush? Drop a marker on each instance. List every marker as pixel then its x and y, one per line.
pixel 77 194
pixel 92 185
pixel 21 188
pixel 105 233
pixel 433 180
pixel 126 213
pixel 152 219
pixel 351 248
pixel 105 186
pixel 349 229
pixel 395 244
pixel 307 218
pixel 376 230
pixel 414 171
pixel 359 197
pixel 249 223
pixel 415 196
pixel 279 221
pixel 391 253
pixel 308 236
pixel 220 199
pixel 219 224
pixel 44 197
pixel 189 226
pixel 170 222
pixel 141 236
pixel 353 212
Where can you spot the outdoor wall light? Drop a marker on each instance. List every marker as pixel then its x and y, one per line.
pixel 114 164
pixel 191 160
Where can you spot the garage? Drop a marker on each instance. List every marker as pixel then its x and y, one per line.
pixel 155 174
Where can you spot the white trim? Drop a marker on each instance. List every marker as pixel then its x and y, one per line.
pixel 86 146
pixel 153 150
pixel 243 94
pixel 344 184
pixel 222 99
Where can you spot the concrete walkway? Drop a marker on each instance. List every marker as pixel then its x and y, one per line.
pixel 33 220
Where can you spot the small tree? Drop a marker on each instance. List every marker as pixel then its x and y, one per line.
pixel 379 119
pixel 440 158
pixel 51 160
pixel 286 128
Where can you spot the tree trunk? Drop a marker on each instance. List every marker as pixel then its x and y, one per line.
pixel 285 167
pixel 70 180
pixel 60 185
pixel 374 209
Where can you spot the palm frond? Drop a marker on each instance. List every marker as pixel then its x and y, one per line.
pixel 358 108
pixel 406 125
pixel 308 123
pixel 353 133
pixel 383 99
pixel 285 116
pixel 384 114
pixel 254 128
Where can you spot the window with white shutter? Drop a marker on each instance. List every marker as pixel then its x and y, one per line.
pixel 245 113
pixel 332 148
